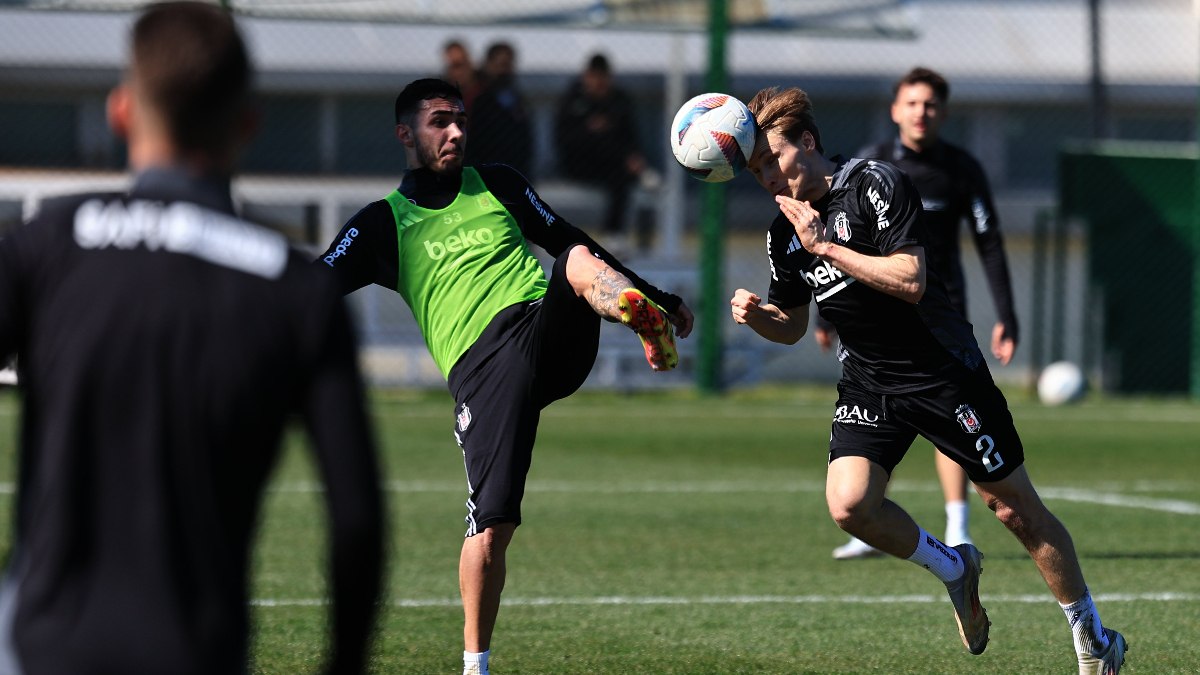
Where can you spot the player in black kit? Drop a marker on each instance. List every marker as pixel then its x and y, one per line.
pixel 953 190
pixel 851 236
pixel 163 343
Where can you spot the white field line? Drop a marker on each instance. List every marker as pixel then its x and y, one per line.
pixel 1102 496
pixel 624 600
pixel 1109 499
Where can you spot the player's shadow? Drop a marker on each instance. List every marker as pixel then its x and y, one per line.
pixel 1140 555
pixel 1111 555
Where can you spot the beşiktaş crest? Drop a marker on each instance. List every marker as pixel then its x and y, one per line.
pixel 841 227
pixel 967 419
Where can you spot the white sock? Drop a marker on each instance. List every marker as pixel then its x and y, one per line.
pixel 475 663
pixel 943 561
pixel 956 522
pixel 1085 625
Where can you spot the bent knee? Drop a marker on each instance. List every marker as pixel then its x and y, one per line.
pixel 1021 517
pixel 848 513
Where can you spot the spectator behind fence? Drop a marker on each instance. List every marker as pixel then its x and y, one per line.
pixel 458 69
pixel 163 344
pixel 501 129
pixel 597 139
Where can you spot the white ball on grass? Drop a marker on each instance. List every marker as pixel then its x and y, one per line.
pixel 1061 382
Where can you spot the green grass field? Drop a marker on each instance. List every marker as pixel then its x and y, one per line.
pixel 671 533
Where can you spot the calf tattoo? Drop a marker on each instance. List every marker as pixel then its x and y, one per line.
pixel 606 287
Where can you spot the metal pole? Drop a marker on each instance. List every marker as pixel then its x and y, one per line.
pixel 1058 288
pixel 671 209
pixel 1194 385
pixel 1099 99
pixel 1037 334
pixel 712 222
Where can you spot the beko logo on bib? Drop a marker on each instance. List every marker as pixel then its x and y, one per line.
pixel 458 242
pixel 342 246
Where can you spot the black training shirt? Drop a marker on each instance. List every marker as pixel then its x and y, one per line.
pixel 954 189
pixel 162 344
pixel 888 345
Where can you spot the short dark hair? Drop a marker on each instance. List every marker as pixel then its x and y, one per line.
pixel 921 75
pixel 190 64
pixel 599 64
pixel 497 48
pixel 423 90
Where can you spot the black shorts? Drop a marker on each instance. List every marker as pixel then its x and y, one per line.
pixel 530 355
pixel 966 418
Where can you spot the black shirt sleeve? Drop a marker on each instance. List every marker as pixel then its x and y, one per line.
pixel 13 274
pixel 365 251
pixel 542 226
pixel 985 229
pixel 334 409
pixel 787 258
pixel 890 203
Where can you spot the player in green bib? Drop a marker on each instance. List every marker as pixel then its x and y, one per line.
pixel 454 242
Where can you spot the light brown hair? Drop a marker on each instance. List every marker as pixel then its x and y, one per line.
pixel 788 112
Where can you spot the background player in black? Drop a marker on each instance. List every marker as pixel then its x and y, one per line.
pixel 531 352
pixel 953 190
pixel 850 236
pixel 163 343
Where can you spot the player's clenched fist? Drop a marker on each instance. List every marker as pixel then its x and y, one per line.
pixel 744 303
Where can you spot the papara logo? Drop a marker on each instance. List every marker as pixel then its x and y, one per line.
pixel 342 246
pixel 458 242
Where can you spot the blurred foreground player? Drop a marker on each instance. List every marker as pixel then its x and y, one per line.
pixel 454 242
pixel 850 236
pixel 163 343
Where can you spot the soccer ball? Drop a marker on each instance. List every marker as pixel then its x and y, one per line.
pixel 713 136
pixel 1061 382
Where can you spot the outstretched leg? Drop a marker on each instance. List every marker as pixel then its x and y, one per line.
pixel 854 492
pixel 613 296
pixel 1021 510
pixel 1100 651
pixel 596 282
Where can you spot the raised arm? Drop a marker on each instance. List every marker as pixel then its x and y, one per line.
pixel 785 326
pixel 364 252
pixel 900 273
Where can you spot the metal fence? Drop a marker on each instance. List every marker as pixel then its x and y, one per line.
pixel 1026 78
